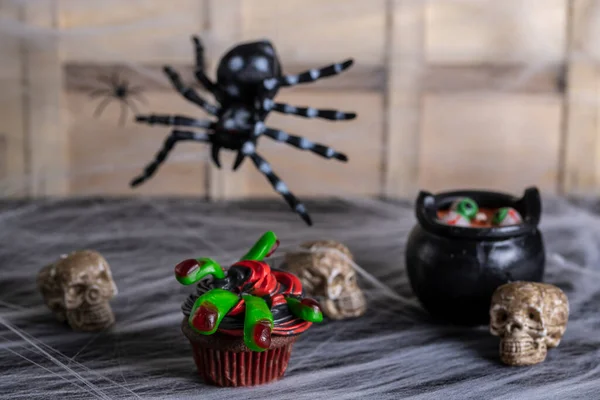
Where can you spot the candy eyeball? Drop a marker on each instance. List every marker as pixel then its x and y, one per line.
pixel 466 207
pixel 506 216
pixel 455 219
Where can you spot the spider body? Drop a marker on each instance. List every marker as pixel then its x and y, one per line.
pixel 249 77
pixel 242 71
pixel 118 89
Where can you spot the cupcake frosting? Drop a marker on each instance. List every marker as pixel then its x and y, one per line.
pixel 256 278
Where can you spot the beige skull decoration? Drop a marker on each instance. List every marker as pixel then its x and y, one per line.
pixel 529 318
pixel 77 288
pixel 326 272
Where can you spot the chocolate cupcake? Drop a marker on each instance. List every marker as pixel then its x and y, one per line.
pixel 242 322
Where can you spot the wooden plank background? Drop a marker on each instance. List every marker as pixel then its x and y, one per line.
pixel 460 93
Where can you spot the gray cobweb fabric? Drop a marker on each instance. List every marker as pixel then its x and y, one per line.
pixel 393 352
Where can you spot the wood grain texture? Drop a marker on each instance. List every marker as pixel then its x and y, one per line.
pixel 403 98
pixel 493 141
pixel 499 78
pixel 581 149
pixel 110 31
pixel 12 103
pixel 105 157
pixel 498 32
pixel 3 158
pixel 318 32
pixel 43 76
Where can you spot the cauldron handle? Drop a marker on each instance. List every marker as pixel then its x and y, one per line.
pixel 531 205
pixel 426 210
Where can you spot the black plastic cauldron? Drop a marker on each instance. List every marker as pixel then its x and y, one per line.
pixel 454 270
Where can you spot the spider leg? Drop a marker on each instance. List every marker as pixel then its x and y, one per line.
pixel 307 112
pixel 99 92
pixel 174 120
pixel 308 76
pixel 239 159
pixel 280 187
pixel 174 137
pixel 189 93
pixel 136 94
pixel 200 66
pixel 130 104
pixel 106 79
pixel 302 143
pixel 214 152
pixel 123 114
pixel 102 106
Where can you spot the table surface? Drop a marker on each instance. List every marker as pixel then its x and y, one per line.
pixel 394 351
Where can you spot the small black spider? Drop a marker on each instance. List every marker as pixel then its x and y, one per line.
pixel 117 89
pixel 248 78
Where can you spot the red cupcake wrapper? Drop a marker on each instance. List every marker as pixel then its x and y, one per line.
pixel 224 360
pixel 247 368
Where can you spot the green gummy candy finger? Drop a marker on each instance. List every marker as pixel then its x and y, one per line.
pixel 263 248
pixel 258 323
pixel 307 309
pixel 209 310
pixel 192 270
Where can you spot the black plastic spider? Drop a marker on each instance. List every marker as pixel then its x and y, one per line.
pixel 248 78
pixel 117 89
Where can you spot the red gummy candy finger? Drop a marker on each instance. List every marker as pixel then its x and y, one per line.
pixel 275 246
pixel 205 318
pixel 186 267
pixel 262 334
pixel 312 304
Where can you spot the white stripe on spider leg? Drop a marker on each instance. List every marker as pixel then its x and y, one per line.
pixel 338 68
pixel 200 136
pixel 311 112
pixel 289 109
pixel 248 148
pixel 202 124
pixel 300 208
pixel 305 143
pixel 291 79
pixel 281 187
pixel 229 124
pixel 330 152
pixel 265 168
pixel 259 128
pixel 270 84
pixel 268 104
pixel 339 115
pixel 314 74
pixel 282 136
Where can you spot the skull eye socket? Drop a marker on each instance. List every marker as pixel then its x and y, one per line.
pixel 351 279
pixel 502 316
pixel 76 290
pixel 533 315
